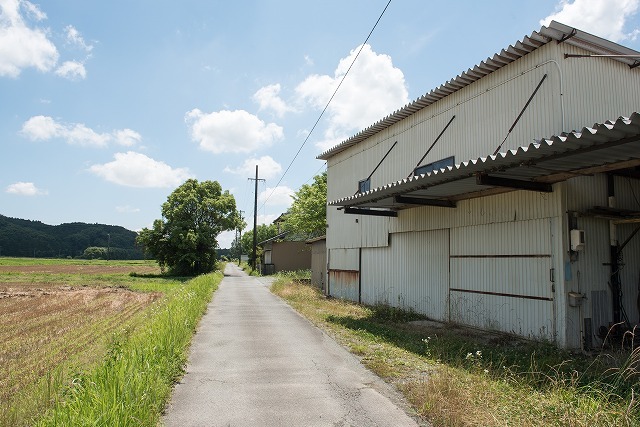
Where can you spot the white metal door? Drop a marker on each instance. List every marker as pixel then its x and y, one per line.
pixel 501 277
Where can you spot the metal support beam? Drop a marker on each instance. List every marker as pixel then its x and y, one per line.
pixel 424 202
pixel 371 212
pixel 482 179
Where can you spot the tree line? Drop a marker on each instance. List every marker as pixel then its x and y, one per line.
pixel 26 238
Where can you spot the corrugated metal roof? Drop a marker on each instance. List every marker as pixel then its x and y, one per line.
pixel 555 31
pixel 548 160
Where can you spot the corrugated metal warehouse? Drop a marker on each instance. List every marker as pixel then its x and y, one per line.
pixel 495 201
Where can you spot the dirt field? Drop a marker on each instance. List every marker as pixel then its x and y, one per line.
pixel 62 314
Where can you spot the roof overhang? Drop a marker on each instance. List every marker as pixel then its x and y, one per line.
pixel 604 147
pixel 561 33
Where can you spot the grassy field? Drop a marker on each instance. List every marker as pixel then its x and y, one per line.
pixel 460 377
pixel 83 340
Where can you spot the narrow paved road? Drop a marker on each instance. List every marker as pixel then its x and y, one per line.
pixel 255 362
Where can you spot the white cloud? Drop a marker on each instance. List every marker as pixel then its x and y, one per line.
pixel 267 168
pixel 226 238
pixel 137 170
pixel 373 89
pixel 231 131
pixel 127 137
pixel 268 98
pixel 263 219
pixel 43 128
pixel 72 70
pixel 33 11
pixel 20 46
pixel 74 38
pixel 308 60
pixel 127 209
pixel 278 196
pixel 604 18
pixel 25 189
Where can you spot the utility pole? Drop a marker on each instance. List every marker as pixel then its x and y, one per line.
pixel 239 236
pixel 255 218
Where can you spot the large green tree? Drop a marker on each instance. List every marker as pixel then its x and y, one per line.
pixel 185 239
pixel 307 216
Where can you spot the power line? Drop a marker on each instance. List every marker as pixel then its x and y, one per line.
pixel 329 102
pixel 315 173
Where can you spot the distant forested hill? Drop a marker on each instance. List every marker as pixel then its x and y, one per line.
pixel 25 238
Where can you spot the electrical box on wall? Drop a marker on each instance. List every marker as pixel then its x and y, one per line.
pixel 577 240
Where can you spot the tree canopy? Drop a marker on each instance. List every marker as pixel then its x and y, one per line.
pixel 185 239
pixel 20 237
pixel 307 216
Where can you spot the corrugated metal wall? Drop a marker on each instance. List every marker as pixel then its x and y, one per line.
pixel 412 273
pixel 628 197
pixel 589 82
pixel 501 277
pixel 588 271
pixel 319 264
pixel 344 273
pixel 356 231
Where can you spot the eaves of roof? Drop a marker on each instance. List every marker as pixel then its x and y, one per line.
pixel 603 147
pixel 555 31
pixel 274 238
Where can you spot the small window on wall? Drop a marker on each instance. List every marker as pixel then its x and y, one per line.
pixel 364 185
pixel 440 164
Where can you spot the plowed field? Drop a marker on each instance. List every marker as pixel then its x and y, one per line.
pixel 62 315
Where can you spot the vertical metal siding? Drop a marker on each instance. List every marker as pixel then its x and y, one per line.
pixel 500 277
pixel 319 263
pixel 597 89
pixel 412 273
pixel 507 207
pixel 355 231
pixel 344 266
pixel 589 269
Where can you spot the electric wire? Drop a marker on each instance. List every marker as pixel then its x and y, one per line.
pixel 316 173
pixel 327 105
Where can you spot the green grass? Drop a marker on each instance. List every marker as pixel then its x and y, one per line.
pixel 454 376
pixel 248 269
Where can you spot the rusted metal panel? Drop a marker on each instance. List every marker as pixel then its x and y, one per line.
pixel 344 273
pixel 344 284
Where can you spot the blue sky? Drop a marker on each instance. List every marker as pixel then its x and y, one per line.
pixel 107 106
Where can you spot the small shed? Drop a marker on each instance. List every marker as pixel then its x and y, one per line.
pixel 319 262
pixel 281 255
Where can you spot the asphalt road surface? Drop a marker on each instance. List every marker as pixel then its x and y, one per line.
pixel 255 362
